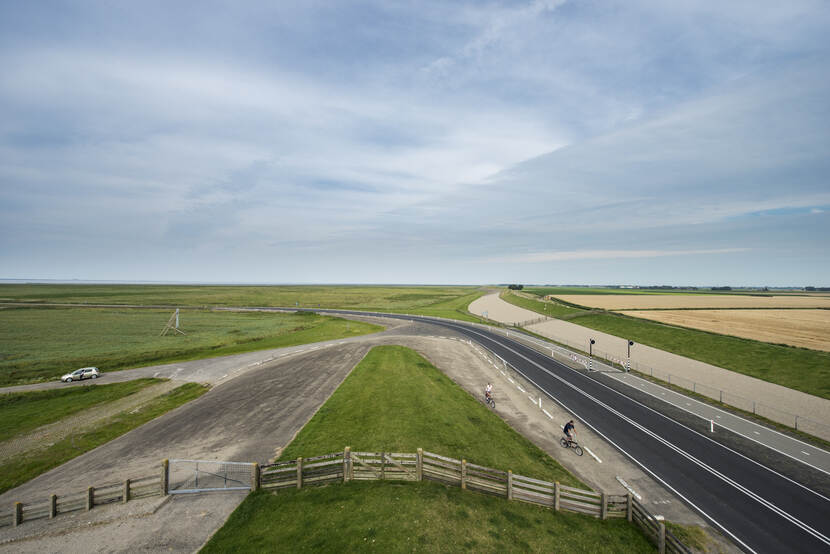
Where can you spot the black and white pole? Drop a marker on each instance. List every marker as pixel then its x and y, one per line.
pixel 628 362
pixel 591 355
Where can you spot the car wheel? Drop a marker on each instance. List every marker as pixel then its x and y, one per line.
pixel 69 379
pixel 94 376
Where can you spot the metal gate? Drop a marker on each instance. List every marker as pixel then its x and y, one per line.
pixel 191 476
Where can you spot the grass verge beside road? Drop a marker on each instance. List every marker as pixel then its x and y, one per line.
pixel 23 412
pixel 412 517
pixel 397 401
pixel 789 366
pixel 18 471
pixel 41 344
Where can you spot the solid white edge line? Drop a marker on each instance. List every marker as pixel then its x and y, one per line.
pixel 688 428
pixel 738 486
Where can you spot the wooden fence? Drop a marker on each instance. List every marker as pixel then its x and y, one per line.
pixel 131 489
pixel 345 466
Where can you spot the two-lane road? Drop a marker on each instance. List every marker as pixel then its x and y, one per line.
pixel 759 509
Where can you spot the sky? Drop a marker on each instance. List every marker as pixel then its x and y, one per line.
pixel 563 142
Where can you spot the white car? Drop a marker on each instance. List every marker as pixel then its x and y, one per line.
pixel 83 373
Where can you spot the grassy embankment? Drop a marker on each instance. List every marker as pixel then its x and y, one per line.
pixel 796 368
pixel 43 343
pixel 396 401
pixel 15 407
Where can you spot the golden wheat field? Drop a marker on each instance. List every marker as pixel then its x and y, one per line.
pixel 669 301
pixel 805 328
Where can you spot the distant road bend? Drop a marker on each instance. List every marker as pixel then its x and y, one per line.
pixel 759 509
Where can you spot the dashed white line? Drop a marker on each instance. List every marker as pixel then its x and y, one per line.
pixel 807 453
pixel 520 388
pixel 531 399
pixel 511 380
pixel 547 413
pixel 588 450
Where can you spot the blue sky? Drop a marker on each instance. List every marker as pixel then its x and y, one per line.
pixel 632 142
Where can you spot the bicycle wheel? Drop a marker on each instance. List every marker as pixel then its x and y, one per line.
pixel 563 442
pixel 578 449
pixel 492 403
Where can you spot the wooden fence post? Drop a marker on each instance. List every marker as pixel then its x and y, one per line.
pixel 300 472
pixel 347 454
pixel 382 467
pixel 661 538
pixel 255 476
pixel 90 498
pixel 17 517
pixel 509 484
pixel 556 496
pixel 125 494
pixel 629 506
pixel 419 464
pixel 53 506
pixel 603 510
pixel 464 474
pixel 165 477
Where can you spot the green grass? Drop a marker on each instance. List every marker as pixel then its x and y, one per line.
pixel 420 517
pixel 796 368
pixel 396 401
pixel 22 412
pixel 386 298
pixel 23 468
pixel 556 310
pixel 43 343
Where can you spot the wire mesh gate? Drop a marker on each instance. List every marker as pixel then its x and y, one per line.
pixel 192 476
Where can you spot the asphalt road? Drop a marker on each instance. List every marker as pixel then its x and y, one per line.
pixel 759 509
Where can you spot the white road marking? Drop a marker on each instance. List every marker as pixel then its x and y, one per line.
pixel 629 489
pixel 807 453
pixel 520 388
pixel 547 413
pixel 511 380
pixel 531 399
pixel 756 432
pixel 588 450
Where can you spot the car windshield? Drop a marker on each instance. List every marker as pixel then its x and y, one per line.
pixel 78 372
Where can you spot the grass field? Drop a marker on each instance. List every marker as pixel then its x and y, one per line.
pixel 44 343
pixel 544 291
pixel 19 470
pixel 396 401
pixel 803 328
pixel 797 368
pixel 550 309
pixel 383 298
pixel 697 301
pixel 412 517
pixel 20 413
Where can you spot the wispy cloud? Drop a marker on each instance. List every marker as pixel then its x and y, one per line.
pixel 537 257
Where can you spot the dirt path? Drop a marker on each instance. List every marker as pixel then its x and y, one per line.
pixel 86 420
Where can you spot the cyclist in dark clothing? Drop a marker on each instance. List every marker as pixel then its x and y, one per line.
pixel 569 430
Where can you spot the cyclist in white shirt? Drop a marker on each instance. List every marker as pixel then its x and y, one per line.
pixel 487 390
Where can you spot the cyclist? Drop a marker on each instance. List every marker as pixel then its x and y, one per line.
pixel 487 390
pixel 569 430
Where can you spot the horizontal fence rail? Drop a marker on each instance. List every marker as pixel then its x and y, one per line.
pixel 341 467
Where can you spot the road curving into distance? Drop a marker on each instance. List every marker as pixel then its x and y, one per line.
pixel 757 508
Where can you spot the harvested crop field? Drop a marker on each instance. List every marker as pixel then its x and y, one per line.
pixel 805 328
pixel 670 301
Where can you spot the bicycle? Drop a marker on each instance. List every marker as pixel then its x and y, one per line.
pixel 489 401
pixel 566 443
